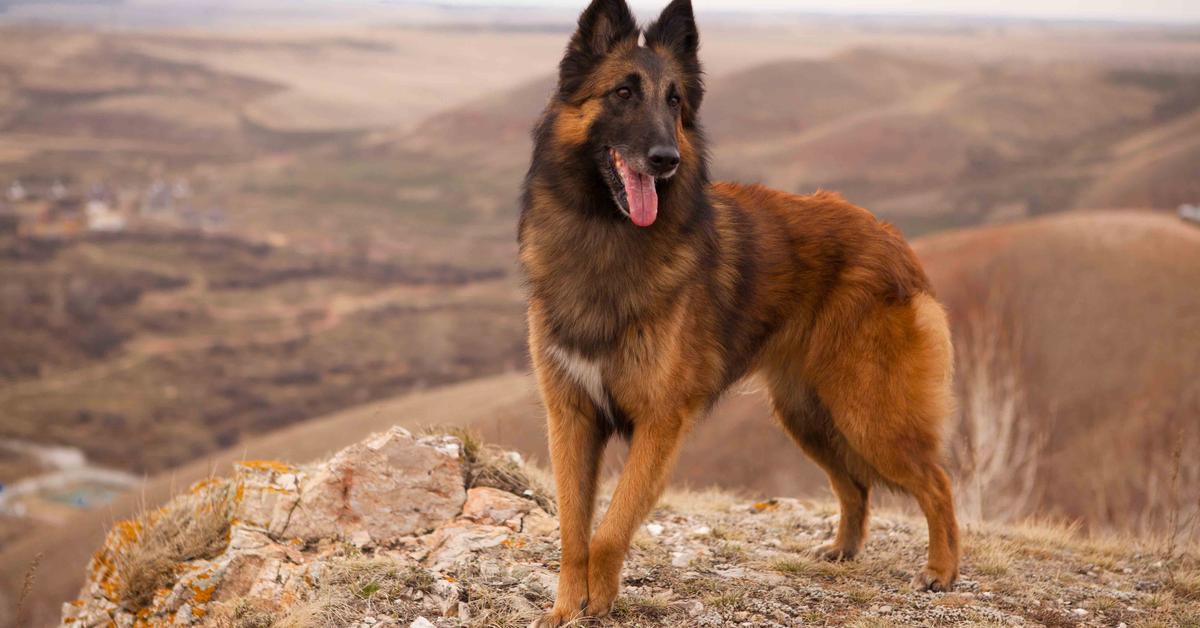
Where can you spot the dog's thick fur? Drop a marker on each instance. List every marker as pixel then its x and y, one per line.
pixel 638 330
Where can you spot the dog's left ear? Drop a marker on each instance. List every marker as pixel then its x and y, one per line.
pixel 675 31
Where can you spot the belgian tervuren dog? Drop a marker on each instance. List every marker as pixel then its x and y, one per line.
pixel 652 290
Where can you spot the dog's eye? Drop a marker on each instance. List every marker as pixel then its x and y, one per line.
pixel 624 93
pixel 673 100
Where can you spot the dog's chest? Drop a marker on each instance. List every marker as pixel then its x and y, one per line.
pixel 584 372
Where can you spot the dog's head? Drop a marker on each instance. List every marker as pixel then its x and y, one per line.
pixel 631 108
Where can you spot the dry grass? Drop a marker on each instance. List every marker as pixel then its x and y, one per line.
pixel 492 467
pixel 27 584
pixel 245 613
pixel 193 526
pixel 356 587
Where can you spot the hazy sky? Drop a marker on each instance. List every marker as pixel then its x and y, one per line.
pixel 1155 10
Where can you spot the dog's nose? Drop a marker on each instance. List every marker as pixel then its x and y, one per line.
pixel 664 158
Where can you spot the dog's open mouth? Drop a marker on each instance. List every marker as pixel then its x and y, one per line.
pixel 633 191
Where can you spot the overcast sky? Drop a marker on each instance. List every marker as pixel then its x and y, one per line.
pixel 1148 10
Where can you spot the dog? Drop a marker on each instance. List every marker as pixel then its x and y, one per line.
pixel 652 290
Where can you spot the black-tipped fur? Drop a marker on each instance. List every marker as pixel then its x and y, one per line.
pixel 675 30
pixel 603 25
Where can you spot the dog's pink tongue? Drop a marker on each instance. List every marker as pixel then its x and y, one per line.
pixel 643 198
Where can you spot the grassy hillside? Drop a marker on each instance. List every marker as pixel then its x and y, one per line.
pixel 486 557
pixel 1101 327
pixel 148 351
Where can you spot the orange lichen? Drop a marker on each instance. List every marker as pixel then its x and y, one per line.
pixel 202 595
pixel 766 506
pixel 267 465
pixel 203 485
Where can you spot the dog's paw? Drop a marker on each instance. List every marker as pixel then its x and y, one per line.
pixel 554 619
pixel 834 552
pixel 930 579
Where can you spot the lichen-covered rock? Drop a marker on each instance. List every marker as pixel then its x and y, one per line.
pixel 391 486
pixel 281 524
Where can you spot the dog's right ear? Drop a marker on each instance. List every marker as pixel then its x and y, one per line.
pixel 603 25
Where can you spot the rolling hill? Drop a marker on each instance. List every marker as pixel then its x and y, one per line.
pixel 931 144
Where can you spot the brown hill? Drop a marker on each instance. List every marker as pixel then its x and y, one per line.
pixel 1156 168
pixel 1102 317
pixel 928 141
pixel 932 144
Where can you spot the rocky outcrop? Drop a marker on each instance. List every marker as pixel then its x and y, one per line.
pixel 419 531
pixel 394 501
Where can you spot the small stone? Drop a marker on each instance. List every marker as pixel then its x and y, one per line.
pixel 701 531
pixel 885 609
pixel 538 524
pixel 654 529
pixel 421 622
pixel 1079 612
pixel 495 507
pixel 360 538
pixel 456 543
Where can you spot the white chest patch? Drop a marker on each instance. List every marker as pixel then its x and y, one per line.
pixel 585 372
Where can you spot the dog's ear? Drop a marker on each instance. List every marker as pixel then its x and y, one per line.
pixel 675 32
pixel 603 25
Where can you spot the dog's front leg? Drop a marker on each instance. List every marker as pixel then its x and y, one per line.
pixel 652 452
pixel 576 445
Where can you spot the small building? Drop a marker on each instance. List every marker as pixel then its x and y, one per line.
pixel 59 191
pixel 102 218
pixel 1190 212
pixel 16 192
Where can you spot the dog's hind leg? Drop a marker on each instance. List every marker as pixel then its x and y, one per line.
pixel 911 462
pixel 888 396
pixel 801 414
